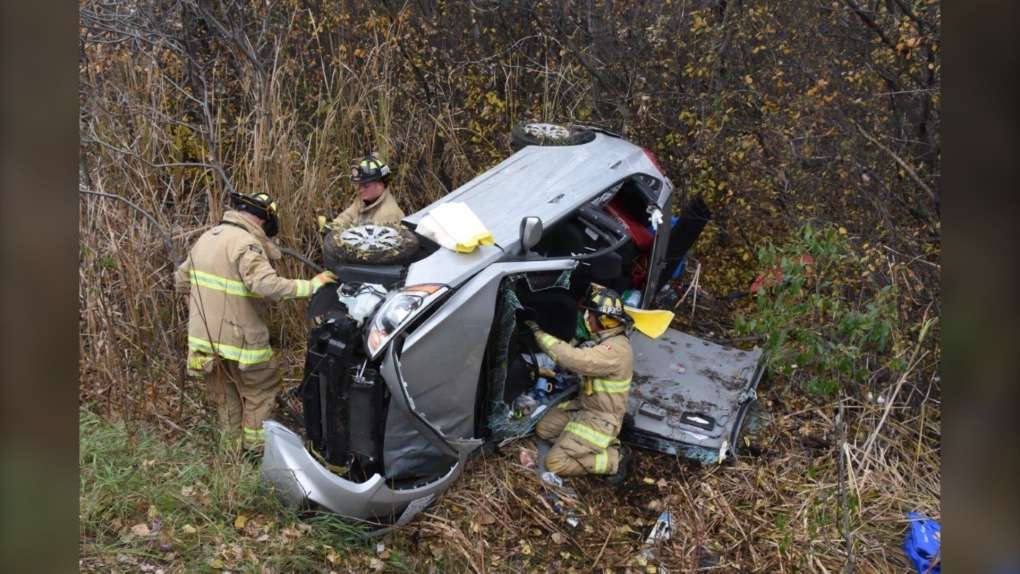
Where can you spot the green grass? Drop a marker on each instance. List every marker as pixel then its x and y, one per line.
pixel 149 505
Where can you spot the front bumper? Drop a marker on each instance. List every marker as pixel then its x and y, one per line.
pixel 298 478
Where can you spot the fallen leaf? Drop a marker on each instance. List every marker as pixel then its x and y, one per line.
pixel 486 518
pixel 189 529
pixel 376 564
pixel 140 530
pixel 648 480
pixel 557 538
pixel 662 483
pixel 240 521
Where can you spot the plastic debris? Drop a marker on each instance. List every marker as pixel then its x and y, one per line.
pixel 663 528
pixel 557 507
pixel 549 477
pixel 524 404
pixel 923 544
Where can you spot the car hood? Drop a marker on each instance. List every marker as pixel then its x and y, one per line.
pixel 549 182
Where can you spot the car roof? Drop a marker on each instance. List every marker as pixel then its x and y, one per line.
pixel 550 182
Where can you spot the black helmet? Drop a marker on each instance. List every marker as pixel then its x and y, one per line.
pixel 369 169
pixel 261 206
pixel 607 306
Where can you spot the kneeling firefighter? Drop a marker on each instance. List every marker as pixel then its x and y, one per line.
pixel 584 430
pixel 228 275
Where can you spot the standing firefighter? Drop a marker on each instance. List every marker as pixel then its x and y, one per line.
pixel 228 274
pixel 584 430
pixel 375 203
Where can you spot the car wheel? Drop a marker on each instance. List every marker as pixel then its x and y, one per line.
pixel 546 134
pixel 369 244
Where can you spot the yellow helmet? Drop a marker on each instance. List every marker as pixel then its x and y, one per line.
pixel 607 306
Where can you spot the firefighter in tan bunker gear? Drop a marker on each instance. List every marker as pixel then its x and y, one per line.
pixel 584 430
pixel 228 275
pixel 374 203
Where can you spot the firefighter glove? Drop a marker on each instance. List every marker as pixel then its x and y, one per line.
pixel 322 278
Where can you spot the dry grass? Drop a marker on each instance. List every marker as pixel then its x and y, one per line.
pixel 778 508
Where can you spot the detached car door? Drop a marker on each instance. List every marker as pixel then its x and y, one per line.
pixel 689 396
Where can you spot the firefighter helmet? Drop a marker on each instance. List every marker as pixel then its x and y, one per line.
pixel 607 306
pixel 261 206
pixel 369 169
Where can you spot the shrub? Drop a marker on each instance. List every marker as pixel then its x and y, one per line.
pixel 814 332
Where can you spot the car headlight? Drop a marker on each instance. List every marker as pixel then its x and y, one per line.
pixel 397 311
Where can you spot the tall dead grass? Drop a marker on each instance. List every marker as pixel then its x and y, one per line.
pixel 174 153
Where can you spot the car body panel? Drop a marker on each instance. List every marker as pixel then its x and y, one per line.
pixel 298 478
pixel 548 182
pixel 678 373
pixel 445 391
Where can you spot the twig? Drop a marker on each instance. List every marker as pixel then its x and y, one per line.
pixel 604 544
pixel 903 164
pixel 841 424
pixel 734 340
pixel 914 360
pixel 166 237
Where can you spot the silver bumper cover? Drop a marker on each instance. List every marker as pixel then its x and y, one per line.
pixel 298 477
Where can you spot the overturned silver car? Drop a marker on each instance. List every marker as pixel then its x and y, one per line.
pixel 415 364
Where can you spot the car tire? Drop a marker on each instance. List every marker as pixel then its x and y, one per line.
pixel 369 244
pixel 548 134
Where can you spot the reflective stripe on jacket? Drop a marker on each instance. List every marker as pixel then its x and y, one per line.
pixel 383 210
pixel 607 368
pixel 228 274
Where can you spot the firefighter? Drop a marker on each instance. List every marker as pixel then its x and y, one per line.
pixel 227 275
pixel 584 430
pixel 375 203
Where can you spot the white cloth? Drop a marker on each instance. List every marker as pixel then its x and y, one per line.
pixel 454 226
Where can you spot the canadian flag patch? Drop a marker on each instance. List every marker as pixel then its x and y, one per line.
pixel 607 346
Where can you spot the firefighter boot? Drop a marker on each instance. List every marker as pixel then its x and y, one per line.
pixel 616 478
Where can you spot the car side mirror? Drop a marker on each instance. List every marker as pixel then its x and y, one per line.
pixel 531 233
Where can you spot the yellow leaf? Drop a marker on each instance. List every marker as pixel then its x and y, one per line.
pixel 842 231
pixel 189 529
pixel 240 521
pixel 648 480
